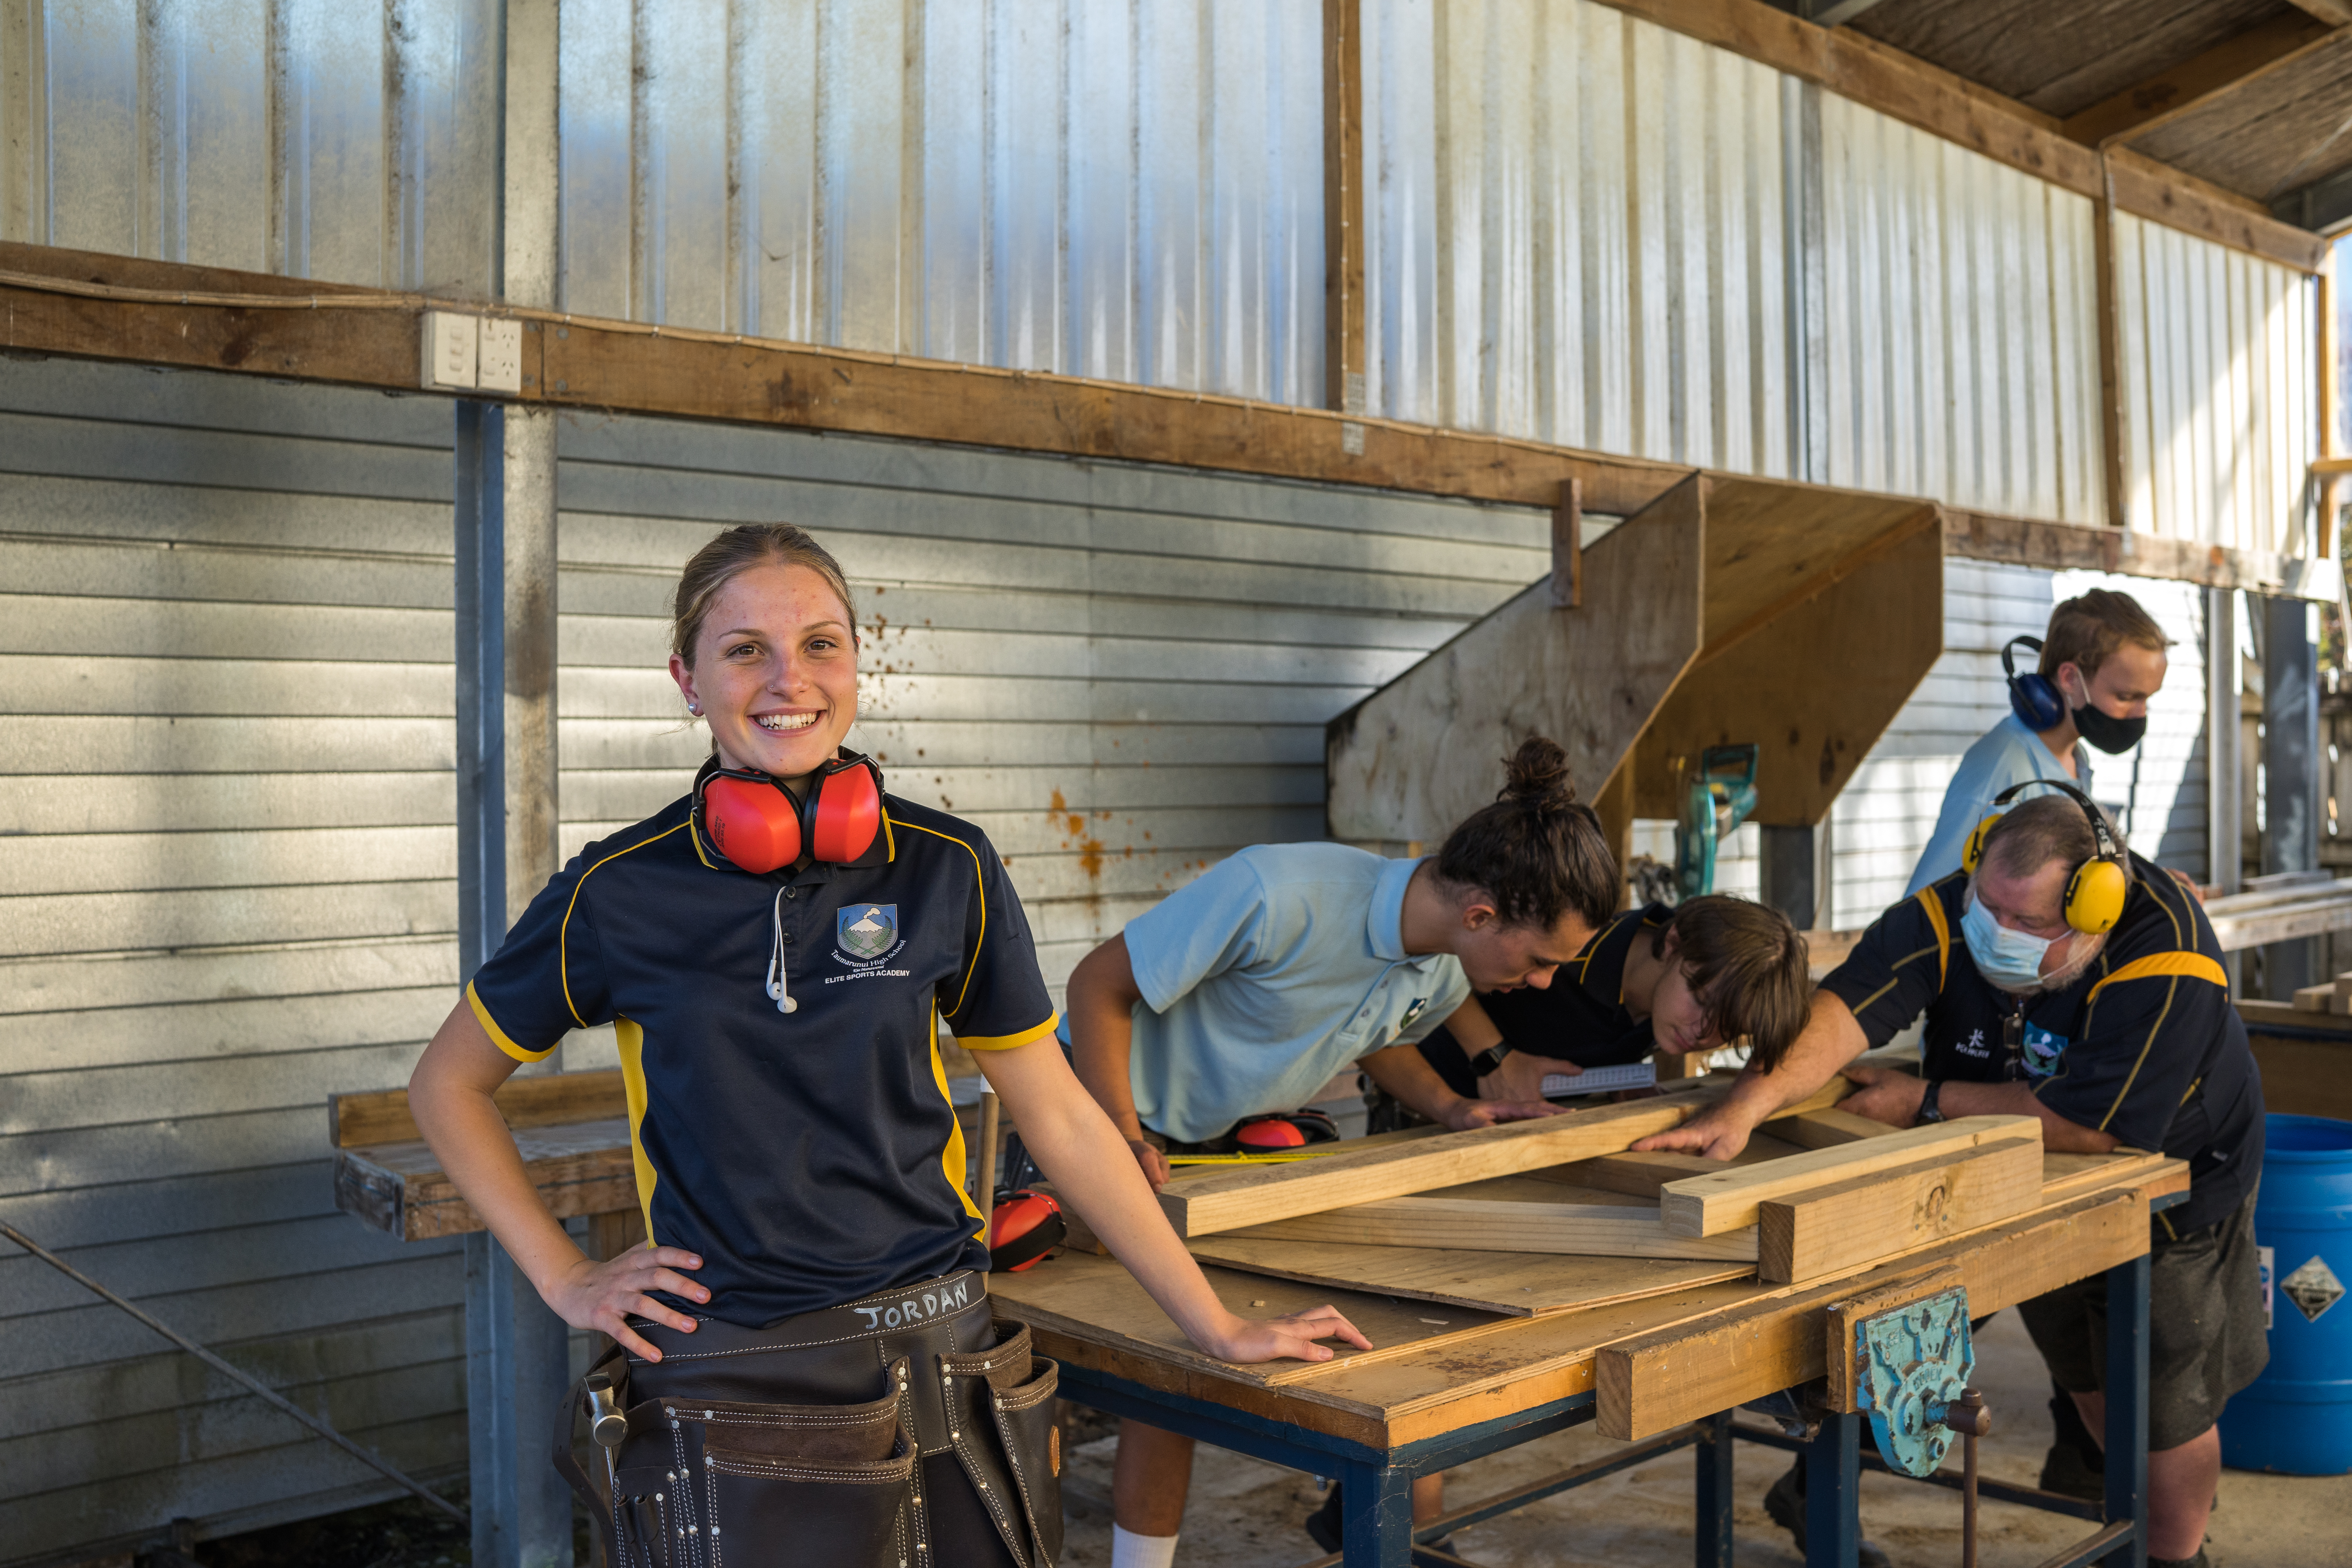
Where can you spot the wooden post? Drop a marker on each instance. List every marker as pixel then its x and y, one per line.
pixel 1568 546
pixel 2111 406
pixel 2331 409
pixel 1343 206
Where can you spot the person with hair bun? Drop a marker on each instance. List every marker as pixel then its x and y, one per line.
pixel 1240 993
pixel 805 1359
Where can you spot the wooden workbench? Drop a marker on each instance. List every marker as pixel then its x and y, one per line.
pixel 1436 1368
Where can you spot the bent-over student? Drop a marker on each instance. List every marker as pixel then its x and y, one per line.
pixel 1245 991
pixel 2086 989
pixel 1708 973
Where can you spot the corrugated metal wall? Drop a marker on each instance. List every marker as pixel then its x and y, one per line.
pixel 1131 190
pixel 353 144
pixel 2220 374
pixel 1882 821
pixel 1961 340
pixel 1574 231
pixel 227 890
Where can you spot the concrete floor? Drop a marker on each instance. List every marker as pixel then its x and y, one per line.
pixel 1244 1514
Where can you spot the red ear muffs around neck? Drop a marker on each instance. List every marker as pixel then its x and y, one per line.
pixel 754 821
pixel 845 809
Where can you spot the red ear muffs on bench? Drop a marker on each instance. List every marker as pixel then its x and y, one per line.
pixel 755 822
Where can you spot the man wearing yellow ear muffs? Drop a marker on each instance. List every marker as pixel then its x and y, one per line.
pixel 2086 988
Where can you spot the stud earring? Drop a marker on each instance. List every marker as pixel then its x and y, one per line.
pixel 693 709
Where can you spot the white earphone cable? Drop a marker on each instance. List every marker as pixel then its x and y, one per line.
pixel 778 990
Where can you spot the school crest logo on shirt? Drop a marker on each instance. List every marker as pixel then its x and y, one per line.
pixel 868 931
pixel 2042 1050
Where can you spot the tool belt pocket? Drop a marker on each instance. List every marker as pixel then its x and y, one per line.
pixel 1013 1398
pixel 697 1478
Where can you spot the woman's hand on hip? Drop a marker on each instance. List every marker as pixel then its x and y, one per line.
pixel 1249 1339
pixel 604 1296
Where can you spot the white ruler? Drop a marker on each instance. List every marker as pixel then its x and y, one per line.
pixel 1597 1081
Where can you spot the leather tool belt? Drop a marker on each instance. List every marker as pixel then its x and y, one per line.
pixel 807 1441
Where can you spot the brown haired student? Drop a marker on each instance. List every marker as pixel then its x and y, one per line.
pixel 805 1365
pixel 1243 991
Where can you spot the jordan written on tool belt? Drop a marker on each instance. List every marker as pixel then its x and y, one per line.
pixel 918 1431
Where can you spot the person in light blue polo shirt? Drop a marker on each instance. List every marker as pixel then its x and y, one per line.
pixel 2102 659
pixel 1243 991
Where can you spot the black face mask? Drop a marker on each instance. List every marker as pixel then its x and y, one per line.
pixel 2104 731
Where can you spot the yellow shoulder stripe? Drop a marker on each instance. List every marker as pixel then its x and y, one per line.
pixel 2195 965
pixel 498 1037
pixel 1010 1042
pixel 981 883
pixel 1943 928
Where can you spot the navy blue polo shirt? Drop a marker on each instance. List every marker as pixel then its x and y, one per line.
pixel 1580 1018
pixel 2143 1043
pixel 809 1157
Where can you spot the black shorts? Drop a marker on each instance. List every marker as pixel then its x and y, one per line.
pixel 2206 1340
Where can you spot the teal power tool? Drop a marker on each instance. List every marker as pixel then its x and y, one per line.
pixel 1721 797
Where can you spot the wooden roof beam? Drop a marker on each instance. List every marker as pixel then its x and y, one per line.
pixel 2334 12
pixel 2198 81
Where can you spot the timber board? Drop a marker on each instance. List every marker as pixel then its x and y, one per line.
pixel 579 1168
pixel 1513 1284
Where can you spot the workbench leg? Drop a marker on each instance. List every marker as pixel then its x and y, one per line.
pixel 1713 1451
pixel 1833 1494
pixel 2127 1391
pixel 518 1366
pixel 1376 1516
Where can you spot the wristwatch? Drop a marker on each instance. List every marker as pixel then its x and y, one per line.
pixel 1487 1061
pixel 1927 1110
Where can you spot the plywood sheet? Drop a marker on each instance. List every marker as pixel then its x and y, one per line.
pixel 1513 1214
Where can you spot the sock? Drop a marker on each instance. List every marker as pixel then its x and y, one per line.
pixel 1129 1550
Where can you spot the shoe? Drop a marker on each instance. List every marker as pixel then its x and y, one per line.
pixel 1786 1505
pixel 2075 1466
pixel 1323 1525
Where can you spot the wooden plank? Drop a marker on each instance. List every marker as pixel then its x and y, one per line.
pixel 1515 1284
pixel 579 1168
pixel 2185 84
pixel 1825 949
pixel 539 1099
pixel 1511 1214
pixel 1567 548
pixel 1344 357
pixel 1396 761
pixel 2065 1177
pixel 1827 1128
pixel 2147 188
pixel 2306 1077
pixel 1728 1200
pixel 2066 546
pixel 1847 1224
pixel 1227 1197
pixel 1637 1175
pixel 1650 1381
pixel 1838 1345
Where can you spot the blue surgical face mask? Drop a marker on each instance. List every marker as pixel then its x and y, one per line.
pixel 2011 960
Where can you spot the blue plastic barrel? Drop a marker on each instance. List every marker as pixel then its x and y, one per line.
pixel 2297 1416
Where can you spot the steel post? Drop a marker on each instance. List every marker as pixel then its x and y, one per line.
pixel 1833 1494
pixel 2127 1391
pixel 1713 1455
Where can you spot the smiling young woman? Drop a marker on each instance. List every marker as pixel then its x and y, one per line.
pixel 804 1357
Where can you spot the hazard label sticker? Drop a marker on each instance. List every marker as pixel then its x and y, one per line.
pixel 2313 1287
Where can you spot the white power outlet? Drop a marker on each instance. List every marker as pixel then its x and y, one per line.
pixel 499 366
pixel 451 351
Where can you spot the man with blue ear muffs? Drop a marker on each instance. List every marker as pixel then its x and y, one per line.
pixel 2101 660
